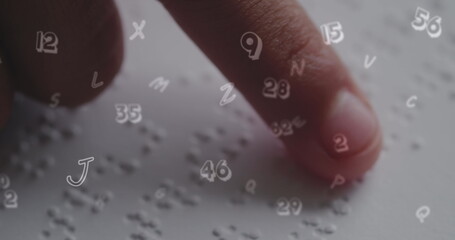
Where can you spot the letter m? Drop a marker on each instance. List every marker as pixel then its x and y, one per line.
pixel 158 83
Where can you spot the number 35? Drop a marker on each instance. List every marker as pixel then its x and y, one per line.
pixel 130 112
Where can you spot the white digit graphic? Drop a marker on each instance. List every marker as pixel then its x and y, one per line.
pixel 286 127
pixel 276 89
pixel 332 32
pixel 10 200
pixel 46 42
pixel 341 143
pixel 284 89
pixel 434 28
pixel 251 43
pixel 287 207
pixel 122 113
pixel 134 111
pixel 283 207
pixel 222 171
pixel 423 21
pixel 270 86
pixel 296 206
pixel 130 112
pixel 421 18
pixel 4 181
pixel 9 196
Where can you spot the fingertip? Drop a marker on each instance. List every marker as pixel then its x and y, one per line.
pixel 314 156
pixel 343 134
pixel 348 126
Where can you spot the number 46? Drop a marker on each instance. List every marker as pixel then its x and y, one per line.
pixel 222 171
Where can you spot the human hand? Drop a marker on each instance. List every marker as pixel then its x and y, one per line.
pixel 90 39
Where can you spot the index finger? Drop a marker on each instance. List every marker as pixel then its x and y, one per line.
pixel 342 135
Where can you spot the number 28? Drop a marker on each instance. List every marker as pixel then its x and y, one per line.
pixel 274 89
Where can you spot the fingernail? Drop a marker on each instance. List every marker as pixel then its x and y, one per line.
pixel 349 127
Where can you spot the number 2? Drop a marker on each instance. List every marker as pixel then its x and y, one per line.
pixel 286 126
pixel 283 207
pixel 270 87
pixel 10 199
pixel 341 143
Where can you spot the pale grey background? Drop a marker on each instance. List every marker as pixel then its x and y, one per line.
pixel 184 126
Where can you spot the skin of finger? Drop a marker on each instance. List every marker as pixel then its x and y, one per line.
pixel 287 35
pixel 89 39
pixel 6 94
pixel 318 161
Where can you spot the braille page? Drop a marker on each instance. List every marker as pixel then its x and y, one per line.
pixel 169 153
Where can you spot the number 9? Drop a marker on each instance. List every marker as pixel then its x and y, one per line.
pixel 4 181
pixel 270 88
pixel 251 43
pixel 296 205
